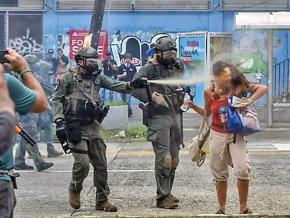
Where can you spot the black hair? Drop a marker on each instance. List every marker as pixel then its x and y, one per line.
pixel 128 55
pixel 238 78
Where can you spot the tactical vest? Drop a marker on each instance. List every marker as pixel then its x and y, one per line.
pixel 82 100
pixel 173 93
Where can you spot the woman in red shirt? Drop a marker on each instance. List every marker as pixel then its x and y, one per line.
pixel 228 148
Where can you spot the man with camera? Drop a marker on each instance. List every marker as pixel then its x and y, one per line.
pixel 110 70
pixel 26 97
pixel 78 112
pixel 126 72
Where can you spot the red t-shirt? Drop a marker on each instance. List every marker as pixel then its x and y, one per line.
pixel 218 113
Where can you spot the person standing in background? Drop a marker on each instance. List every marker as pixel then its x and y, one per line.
pixel 61 64
pixel 54 62
pixel 110 70
pixel 126 72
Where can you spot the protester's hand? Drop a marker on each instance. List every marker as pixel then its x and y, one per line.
pixel 139 83
pixel 243 103
pixel 16 63
pixel 6 104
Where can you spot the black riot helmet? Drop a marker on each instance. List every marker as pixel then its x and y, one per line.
pixel 165 44
pixel 89 55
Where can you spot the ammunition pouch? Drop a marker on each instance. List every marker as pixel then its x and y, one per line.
pixel 145 110
pixel 101 113
pixel 85 111
pixel 74 133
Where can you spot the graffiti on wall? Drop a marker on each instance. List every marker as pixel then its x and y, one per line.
pixel 25 33
pixel 118 46
pixel 25 44
pixel 134 45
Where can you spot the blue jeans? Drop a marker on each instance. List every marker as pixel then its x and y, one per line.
pixel 103 94
pixel 126 98
pixel 32 150
pixel 46 126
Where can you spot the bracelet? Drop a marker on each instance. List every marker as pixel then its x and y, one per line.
pixel 24 71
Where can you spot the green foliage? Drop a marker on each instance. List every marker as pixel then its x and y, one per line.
pixel 137 132
pixel 116 103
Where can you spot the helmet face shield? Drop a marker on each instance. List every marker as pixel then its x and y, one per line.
pixel 91 61
pixel 169 54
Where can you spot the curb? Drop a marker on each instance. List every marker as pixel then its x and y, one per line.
pixel 191 216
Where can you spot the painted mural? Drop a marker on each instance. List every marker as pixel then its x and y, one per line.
pixel 250 54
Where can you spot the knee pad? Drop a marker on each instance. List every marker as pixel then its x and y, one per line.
pixel 167 163
pixel 175 162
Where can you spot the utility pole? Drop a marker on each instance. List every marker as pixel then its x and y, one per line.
pixel 96 22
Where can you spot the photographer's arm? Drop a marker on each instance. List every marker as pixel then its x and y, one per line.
pixel 7 115
pixel 18 64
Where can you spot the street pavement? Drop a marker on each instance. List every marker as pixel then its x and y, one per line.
pixel 132 182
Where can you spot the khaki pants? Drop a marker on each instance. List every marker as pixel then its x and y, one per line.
pixel 225 151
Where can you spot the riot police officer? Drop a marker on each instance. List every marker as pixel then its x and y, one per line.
pixel 78 112
pixel 164 119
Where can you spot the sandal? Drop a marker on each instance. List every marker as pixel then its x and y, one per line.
pixel 220 211
pixel 247 211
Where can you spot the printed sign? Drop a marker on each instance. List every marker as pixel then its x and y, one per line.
pixel 77 41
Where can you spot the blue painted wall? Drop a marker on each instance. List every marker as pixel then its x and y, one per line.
pixel 144 24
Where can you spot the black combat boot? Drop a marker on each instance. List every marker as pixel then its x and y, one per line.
pixel 74 199
pixel 54 153
pixel 44 166
pixel 23 166
pixel 176 200
pixel 106 206
pixel 166 203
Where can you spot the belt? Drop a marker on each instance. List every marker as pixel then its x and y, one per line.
pixel 10 172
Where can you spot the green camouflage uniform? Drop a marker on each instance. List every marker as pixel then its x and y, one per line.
pixel 91 148
pixel 164 124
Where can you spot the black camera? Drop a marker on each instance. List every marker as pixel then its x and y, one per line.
pixel 3 59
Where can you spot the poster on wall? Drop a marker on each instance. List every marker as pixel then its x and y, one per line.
pixel 250 54
pixel 25 33
pixel 192 51
pixel 77 40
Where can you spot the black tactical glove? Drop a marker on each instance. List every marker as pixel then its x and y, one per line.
pixel 187 89
pixel 139 83
pixel 61 132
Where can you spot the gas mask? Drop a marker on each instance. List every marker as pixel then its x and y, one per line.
pixel 89 68
pixel 168 57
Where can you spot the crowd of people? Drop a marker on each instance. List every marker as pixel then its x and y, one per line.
pixel 77 109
